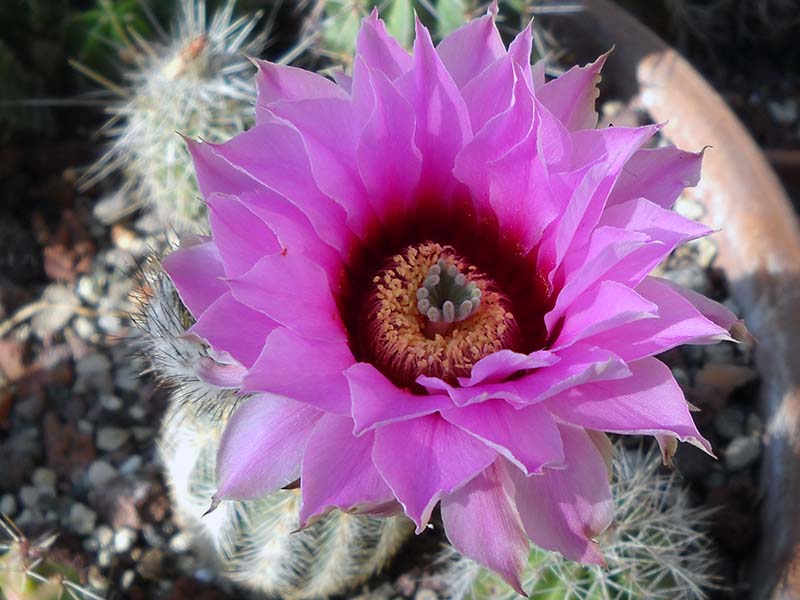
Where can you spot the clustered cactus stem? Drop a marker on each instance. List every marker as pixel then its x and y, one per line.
pixel 197 82
pixel 255 544
pixel 657 548
pixel 27 572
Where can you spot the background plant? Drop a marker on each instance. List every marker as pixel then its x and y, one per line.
pixel 656 548
pixel 254 543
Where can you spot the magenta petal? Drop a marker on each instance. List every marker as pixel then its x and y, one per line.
pixel 280 82
pixel 426 458
pixel 527 437
pixel 589 185
pixel 293 230
pixel 607 248
pixel 679 322
pixel 376 401
pixel 222 375
pixel 564 509
pixel 501 133
pixel 577 364
pixel 241 237
pixel 379 50
pixel 330 132
pixel 223 325
pixel 520 52
pixel 262 447
pixel 304 370
pixel 666 230
pixel 482 523
pixel 649 402
pixel 658 174
pixel 602 307
pixel 711 310
pixel 274 155
pixel 197 272
pixel 489 94
pixel 292 290
pixel 442 119
pixel 496 367
pixel 388 132
pixel 215 174
pixel 571 97
pixel 468 50
pixel 338 470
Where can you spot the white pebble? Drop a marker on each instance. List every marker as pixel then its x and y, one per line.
pixel 124 539
pixel 111 402
pixel 131 465
pixel 104 536
pixel 29 496
pixel 180 542
pixel 8 505
pixel 44 479
pixel 100 473
pixel 112 438
pixel 82 519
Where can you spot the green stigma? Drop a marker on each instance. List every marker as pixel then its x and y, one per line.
pixel 446 297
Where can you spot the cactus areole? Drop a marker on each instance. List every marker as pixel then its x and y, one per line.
pixel 431 281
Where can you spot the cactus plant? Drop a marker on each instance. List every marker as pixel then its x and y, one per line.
pixel 656 548
pixel 253 543
pixel 330 30
pixel 28 573
pixel 197 83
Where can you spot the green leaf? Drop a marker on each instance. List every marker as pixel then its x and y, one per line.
pixel 400 22
pixel 452 15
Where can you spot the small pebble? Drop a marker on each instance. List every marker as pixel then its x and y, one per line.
pixel 124 539
pixel 784 112
pixel 112 438
pixel 180 542
pixel 82 519
pixel 100 473
pixel 142 433
pixel 88 289
pixel 104 536
pixel 44 479
pixel 754 425
pixel 729 423
pixel 96 579
pixel 84 328
pixel 424 594
pixel 682 377
pixel 8 505
pixel 127 378
pixel 137 412
pixel 111 402
pixel 104 559
pixel 742 452
pixel 29 496
pixel 126 581
pixel 131 465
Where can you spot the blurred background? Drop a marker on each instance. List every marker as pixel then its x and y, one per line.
pixel 93 180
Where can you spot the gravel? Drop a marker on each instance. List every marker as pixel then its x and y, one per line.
pixel 100 474
pixel 82 519
pixel 8 504
pixel 112 438
pixel 742 452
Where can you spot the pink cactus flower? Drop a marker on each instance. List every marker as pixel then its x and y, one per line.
pixel 430 283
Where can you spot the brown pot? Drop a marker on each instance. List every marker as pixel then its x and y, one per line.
pixel 759 246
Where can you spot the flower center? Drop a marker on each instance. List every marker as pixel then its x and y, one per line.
pixel 446 297
pixel 430 312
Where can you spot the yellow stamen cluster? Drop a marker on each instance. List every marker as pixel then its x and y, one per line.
pixel 399 337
